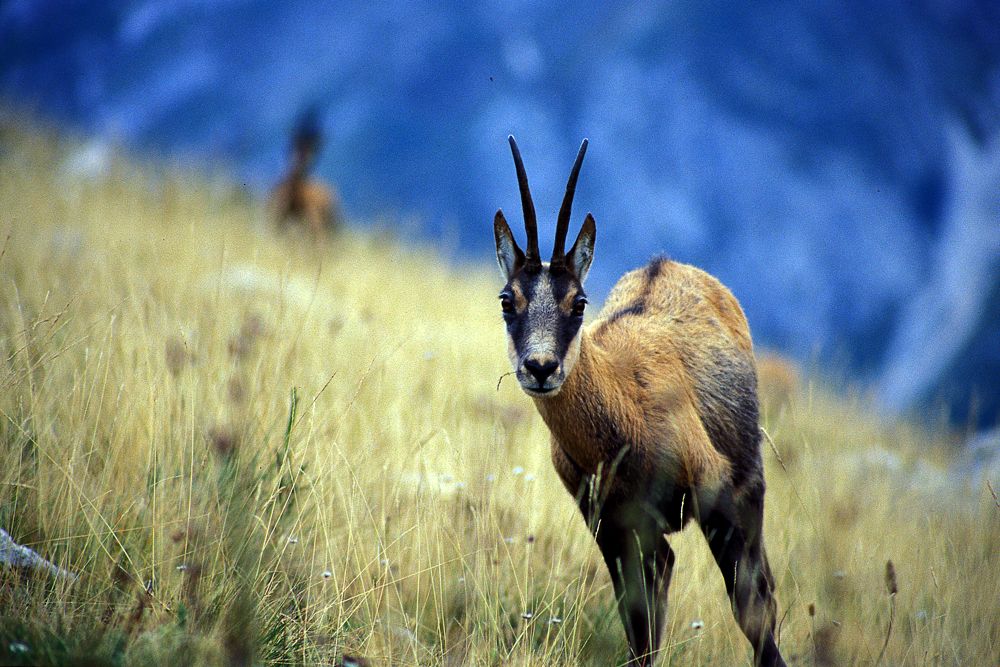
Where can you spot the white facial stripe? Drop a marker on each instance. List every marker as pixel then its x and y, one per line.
pixel 541 340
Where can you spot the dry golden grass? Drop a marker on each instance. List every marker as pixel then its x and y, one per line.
pixel 302 453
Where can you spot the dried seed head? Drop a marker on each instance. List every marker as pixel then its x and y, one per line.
pixel 240 347
pixel 825 645
pixel 237 393
pixel 176 355
pixel 141 603
pixel 120 576
pixel 224 440
pixel 243 342
pixel 890 578
pixel 812 609
pixel 253 326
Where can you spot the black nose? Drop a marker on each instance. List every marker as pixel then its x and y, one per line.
pixel 541 371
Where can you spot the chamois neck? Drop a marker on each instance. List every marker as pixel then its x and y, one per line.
pixel 594 414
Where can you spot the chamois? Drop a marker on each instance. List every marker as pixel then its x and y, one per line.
pixel 652 410
pixel 299 197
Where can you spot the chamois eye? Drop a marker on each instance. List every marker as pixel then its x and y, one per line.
pixel 506 304
pixel 579 306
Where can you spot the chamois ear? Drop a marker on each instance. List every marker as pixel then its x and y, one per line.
pixel 509 256
pixel 582 253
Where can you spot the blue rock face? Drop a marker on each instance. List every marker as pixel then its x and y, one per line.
pixel 834 163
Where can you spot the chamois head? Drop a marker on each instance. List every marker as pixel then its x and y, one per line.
pixel 306 141
pixel 543 302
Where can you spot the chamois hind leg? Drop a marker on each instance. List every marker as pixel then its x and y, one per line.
pixel 734 533
pixel 640 562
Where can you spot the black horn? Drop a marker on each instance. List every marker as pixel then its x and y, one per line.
pixel 562 222
pixel 531 256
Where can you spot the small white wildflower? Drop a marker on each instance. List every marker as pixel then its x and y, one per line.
pixel 555 620
pixel 292 539
pixel 428 355
pixel 327 574
pixel 527 615
pixel 445 478
pixel 459 485
pixel 839 574
pixel 461 580
pixel 517 470
pixel 530 477
pixel 182 567
pixel 921 615
pixel 491 477
pixel 19 648
pixel 697 625
pixel 384 562
pixel 510 540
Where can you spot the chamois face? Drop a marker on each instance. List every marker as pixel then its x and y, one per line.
pixel 543 303
pixel 543 308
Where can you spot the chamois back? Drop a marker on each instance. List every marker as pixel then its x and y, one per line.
pixel 687 324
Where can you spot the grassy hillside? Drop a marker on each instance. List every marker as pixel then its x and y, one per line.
pixel 254 450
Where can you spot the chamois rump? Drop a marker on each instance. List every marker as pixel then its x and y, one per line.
pixel 299 197
pixel 653 413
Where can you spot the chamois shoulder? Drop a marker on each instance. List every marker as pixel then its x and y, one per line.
pixel 674 300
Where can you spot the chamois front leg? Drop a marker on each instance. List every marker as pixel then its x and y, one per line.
pixel 733 531
pixel 640 562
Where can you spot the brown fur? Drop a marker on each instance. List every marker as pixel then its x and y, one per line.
pixel 653 414
pixel 648 415
pixel 299 197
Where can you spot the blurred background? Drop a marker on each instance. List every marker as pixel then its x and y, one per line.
pixel 836 164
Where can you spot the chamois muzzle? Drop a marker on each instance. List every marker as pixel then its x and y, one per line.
pixel 541 375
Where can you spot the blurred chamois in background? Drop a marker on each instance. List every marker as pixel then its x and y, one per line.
pixel 298 198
